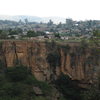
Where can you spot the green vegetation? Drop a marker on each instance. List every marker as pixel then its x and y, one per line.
pixel 95 39
pixel 65 48
pixel 57 35
pixel 69 88
pixel 71 91
pixel 15 31
pixel 17 84
pixel 53 59
pixel 92 94
pixel 96 33
pixel 13 73
pixel 3 34
pixel 34 34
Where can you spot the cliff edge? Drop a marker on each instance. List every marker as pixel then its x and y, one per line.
pixel 48 60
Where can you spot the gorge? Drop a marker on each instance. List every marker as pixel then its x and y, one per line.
pixel 47 60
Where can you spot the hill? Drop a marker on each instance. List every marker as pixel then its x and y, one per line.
pixel 32 18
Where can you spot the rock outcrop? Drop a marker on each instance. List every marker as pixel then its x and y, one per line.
pixel 48 60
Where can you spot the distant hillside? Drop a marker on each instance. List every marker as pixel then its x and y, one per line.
pixel 32 18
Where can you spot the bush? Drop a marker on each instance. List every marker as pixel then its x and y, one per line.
pixel 40 98
pixel 31 80
pixel 53 59
pixel 66 48
pixel 12 89
pixel 91 94
pixel 68 88
pixel 17 84
pixel 17 73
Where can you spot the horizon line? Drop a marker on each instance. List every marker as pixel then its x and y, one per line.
pixel 86 19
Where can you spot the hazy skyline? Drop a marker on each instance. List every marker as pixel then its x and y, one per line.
pixel 75 9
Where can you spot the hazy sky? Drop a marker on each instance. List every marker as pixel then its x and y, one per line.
pixel 76 9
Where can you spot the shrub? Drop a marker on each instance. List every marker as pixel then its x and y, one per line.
pixel 40 98
pixel 18 73
pixel 68 88
pixel 53 59
pixel 66 48
pixel 92 94
pixel 72 59
pixel 30 80
pixel 17 84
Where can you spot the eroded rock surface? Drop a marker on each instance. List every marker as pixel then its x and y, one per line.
pixel 77 62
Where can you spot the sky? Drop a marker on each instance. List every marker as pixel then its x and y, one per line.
pixel 75 9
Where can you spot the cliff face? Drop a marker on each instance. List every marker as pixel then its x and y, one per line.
pixel 48 60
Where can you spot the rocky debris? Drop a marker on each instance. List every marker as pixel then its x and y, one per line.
pixel 37 91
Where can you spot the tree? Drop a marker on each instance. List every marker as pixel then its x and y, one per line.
pixel 68 87
pixel 3 34
pixel 18 73
pixel 53 59
pixel 13 32
pixel 96 33
pixel 19 30
pixel 57 35
pixel 95 39
pixel 31 34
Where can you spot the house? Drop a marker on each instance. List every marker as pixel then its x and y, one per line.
pixel 40 37
pixel 49 35
pixel 14 36
pixel 64 37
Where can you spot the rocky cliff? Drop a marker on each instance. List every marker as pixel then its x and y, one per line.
pixel 47 60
